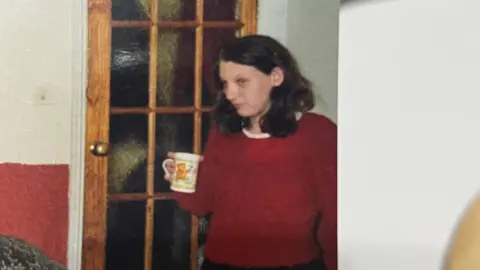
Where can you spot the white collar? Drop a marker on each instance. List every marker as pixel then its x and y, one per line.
pixel 264 135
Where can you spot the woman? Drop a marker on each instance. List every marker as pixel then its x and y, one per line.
pixel 269 167
pixel 464 252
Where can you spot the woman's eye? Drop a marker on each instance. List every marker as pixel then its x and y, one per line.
pixel 242 82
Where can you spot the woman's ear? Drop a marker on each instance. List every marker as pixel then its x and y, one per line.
pixel 277 76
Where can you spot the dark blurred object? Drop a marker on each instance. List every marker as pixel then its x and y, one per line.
pixel 16 253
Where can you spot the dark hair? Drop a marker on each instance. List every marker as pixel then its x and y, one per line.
pixel 293 96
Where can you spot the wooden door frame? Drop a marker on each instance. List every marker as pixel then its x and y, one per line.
pixel 80 20
pixel 78 128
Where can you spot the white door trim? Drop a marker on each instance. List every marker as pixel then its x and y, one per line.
pixel 79 24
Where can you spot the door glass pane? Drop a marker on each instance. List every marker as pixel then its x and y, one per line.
pixel 170 10
pixel 127 162
pixel 131 10
pixel 171 240
pixel 129 67
pixel 125 235
pixel 221 10
pixel 175 69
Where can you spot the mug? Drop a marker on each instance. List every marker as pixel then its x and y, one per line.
pixel 184 179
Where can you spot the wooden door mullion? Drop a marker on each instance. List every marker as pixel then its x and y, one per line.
pixel 248 17
pixel 197 123
pixel 97 130
pixel 177 24
pixel 152 104
pixel 159 110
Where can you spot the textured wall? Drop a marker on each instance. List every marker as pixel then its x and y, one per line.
pixel 33 206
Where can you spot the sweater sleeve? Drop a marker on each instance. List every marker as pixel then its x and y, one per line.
pixel 326 189
pixel 200 203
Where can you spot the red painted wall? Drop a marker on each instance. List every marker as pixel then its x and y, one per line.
pixel 34 206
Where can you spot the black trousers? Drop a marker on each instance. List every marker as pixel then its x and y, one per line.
pixel 317 264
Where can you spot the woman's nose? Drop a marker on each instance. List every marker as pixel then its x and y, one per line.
pixel 230 93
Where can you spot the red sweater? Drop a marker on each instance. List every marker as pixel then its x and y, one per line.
pixel 265 195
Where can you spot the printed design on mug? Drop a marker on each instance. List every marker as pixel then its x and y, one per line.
pixel 184 171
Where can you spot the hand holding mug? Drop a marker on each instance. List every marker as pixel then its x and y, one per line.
pixel 169 166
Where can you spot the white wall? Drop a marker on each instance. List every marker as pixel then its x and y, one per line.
pixel 272 19
pixel 35 80
pixel 312 35
pixel 309 28
pixel 409 132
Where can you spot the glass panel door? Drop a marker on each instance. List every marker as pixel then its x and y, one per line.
pixel 160 93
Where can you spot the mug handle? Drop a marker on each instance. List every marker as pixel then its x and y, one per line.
pixel 164 165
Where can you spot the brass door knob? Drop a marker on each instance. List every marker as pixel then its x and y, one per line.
pixel 99 149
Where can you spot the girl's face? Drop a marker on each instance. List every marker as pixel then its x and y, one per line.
pixel 247 88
